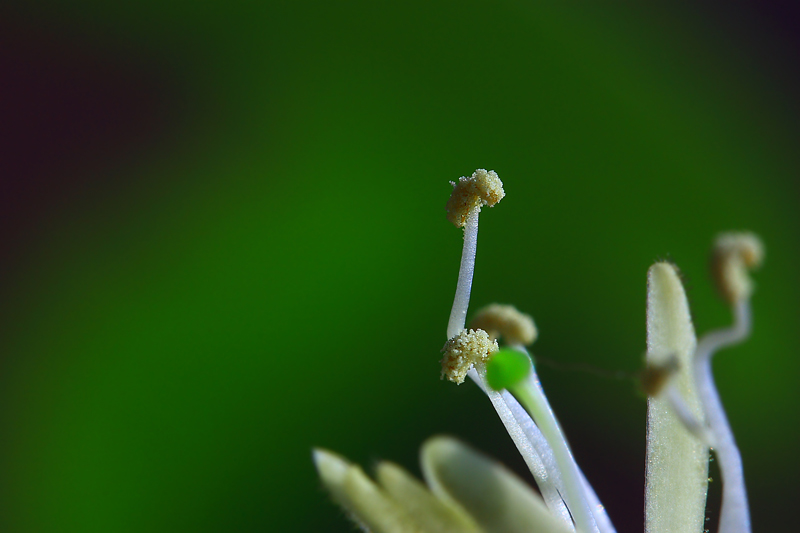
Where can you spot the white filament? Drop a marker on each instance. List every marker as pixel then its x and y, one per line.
pixel 735 515
pixel 458 314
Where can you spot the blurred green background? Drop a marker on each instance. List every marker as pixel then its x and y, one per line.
pixel 224 241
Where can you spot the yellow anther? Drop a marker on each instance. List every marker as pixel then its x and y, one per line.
pixel 482 188
pixel 507 322
pixel 466 349
pixel 735 254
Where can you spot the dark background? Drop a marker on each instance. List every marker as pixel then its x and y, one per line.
pixel 223 242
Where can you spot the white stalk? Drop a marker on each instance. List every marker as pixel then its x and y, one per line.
pixel 735 515
pixel 483 188
pixel 458 314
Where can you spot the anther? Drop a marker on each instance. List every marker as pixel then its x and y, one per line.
pixel 506 322
pixel 734 254
pixel 465 350
pixel 482 188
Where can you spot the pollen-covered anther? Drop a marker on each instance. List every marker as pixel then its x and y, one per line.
pixel 482 188
pixel 466 349
pixel 506 322
pixel 734 254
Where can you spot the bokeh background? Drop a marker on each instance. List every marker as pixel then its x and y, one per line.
pixel 223 242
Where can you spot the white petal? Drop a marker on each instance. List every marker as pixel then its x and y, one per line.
pixel 354 491
pixel 496 498
pixel 434 515
pixel 677 462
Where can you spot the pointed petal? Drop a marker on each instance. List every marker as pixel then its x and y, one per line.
pixel 434 515
pixel 496 498
pixel 353 490
pixel 677 462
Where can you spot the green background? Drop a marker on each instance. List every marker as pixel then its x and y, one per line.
pixel 264 265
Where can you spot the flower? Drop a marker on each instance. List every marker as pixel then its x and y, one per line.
pixel 468 492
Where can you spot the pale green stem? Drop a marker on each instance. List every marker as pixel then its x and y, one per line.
pixel 546 452
pixel 530 395
pixel 598 510
pixel 735 515
pixel 530 443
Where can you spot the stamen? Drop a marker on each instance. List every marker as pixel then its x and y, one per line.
pixel 469 194
pixel 463 208
pixel 484 188
pixel 733 255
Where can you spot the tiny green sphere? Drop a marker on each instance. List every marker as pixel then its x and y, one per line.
pixel 506 369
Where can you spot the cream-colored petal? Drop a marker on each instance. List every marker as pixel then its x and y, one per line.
pixel 433 514
pixel 677 462
pixel 497 499
pixel 352 489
